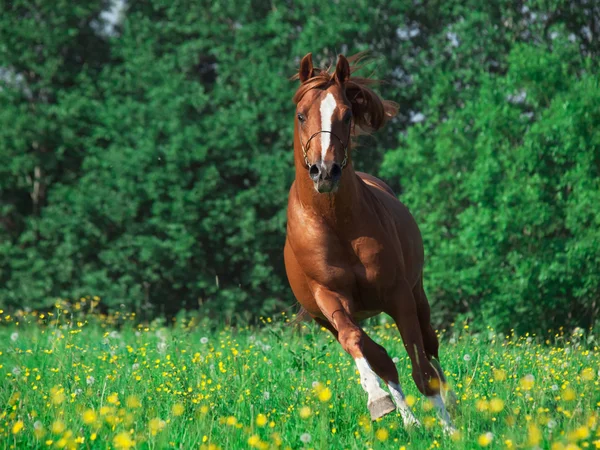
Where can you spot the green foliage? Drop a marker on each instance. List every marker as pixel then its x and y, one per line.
pixel 150 165
pixel 504 189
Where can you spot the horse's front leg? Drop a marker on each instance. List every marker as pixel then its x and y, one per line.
pixel 337 310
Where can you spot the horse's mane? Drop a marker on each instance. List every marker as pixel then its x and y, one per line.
pixel 369 111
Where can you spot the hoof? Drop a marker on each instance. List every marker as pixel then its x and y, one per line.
pixel 381 407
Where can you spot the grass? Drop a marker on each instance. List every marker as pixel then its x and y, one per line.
pixel 71 380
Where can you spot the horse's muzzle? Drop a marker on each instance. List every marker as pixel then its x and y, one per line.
pixel 326 176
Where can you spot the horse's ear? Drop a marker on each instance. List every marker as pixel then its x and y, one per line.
pixel 342 70
pixel 306 68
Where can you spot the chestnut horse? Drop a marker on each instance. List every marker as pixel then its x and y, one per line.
pixel 352 249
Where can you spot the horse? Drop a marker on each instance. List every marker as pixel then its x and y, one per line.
pixel 352 249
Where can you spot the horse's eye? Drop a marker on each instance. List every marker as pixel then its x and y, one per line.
pixel 301 117
pixel 347 117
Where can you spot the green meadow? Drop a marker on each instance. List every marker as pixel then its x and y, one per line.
pixel 74 380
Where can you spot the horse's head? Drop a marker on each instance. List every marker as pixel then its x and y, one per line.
pixel 331 107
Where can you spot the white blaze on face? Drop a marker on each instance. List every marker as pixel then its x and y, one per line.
pixel 328 105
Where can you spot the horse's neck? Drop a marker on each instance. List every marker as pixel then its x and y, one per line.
pixel 336 208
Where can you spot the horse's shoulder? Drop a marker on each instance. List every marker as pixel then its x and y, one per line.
pixel 375 182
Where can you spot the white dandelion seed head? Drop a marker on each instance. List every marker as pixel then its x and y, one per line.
pixel 315 384
pixel 14 336
pixel 16 371
pixel 204 340
pixel 396 360
pixel 266 395
pixel 161 347
pixel 90 380
pixel 135 366
pixel 554 387
pixel 551 423
pixel 305 438
pixel 467 357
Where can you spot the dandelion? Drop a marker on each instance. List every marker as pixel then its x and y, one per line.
pixel 90 380
pixel 18 426
pixel 177 409
pixel 325 395
pixel 467 357
pixel 123 441
pixel 527 382
pixel 254 441
pixel 204 340
pixel 266 395
pixel 16 371
pixel 485 439
pixel 133 402
pixel 231 421
pixel 568 395
pixel 89 416
pixel 411 400
pixel 58 427
pixel 382 434
pixel 14 336
pixel 113 398
pixel 156 425
pixel 534 435
pixel 305 412
pixel 261 420
pixel 579 434
pixel 305 438
pixel 587 374
pixel 499 374
pixel 496 405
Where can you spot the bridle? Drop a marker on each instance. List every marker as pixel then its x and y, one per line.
pixel 305 148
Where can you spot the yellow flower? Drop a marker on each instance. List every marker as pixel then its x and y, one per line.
pixel 123 441
pixel 382 434
pixel 587 374
pixel 254 440
pixel 156 425
pixel 568 394
pixel 580 433
pixel 557 446
pixel 89 416
pixel 534 435
pixel 231 421
pixel 527 382
pixel 58 395
pixel 261 420
pixel 305 412
pixel 133 402
pixel 58 427
pixel 113 398
pixel 496 405
pixel 410 400
pixel 325 395
pixel 481 405
pixel 18 426
pixel 177 409
pixel 485 439
pixel 499 374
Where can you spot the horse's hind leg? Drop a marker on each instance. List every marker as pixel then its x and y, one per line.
pixel 404 311
pixel 431 343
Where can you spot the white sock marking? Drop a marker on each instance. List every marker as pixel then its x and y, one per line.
pixel 408 417
pixel 328 105
pixel 442 413
pixel 369 380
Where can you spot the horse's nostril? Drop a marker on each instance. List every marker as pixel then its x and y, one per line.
pixel 336 171
pixel 314 172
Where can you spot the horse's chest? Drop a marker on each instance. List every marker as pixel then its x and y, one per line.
pixel 374 265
